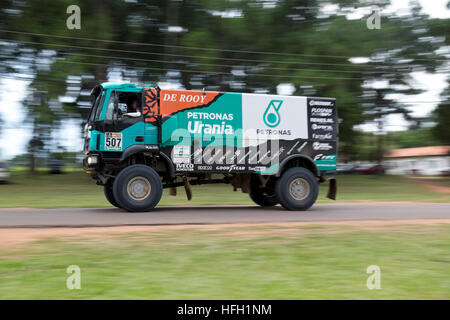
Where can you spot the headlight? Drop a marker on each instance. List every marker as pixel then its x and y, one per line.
pixel 92 160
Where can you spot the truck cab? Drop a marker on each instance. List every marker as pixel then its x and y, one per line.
pixel 112 127
pixel 139 140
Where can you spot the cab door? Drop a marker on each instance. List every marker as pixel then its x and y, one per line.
pixel 120 130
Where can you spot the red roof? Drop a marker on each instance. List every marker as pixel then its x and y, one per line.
pixel 419 152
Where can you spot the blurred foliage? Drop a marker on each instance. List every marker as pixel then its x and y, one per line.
pixel 421 137
pixel 148 41
pixel 442 117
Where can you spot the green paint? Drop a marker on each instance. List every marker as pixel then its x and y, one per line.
pixel 329 163
pixel 224 129
pixel 93 140
pixel 115 85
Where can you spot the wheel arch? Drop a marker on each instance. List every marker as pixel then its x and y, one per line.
pixel 298 160
pixel 153 149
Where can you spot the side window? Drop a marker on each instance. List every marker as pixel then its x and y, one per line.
pixel 129 102
pixel 110 107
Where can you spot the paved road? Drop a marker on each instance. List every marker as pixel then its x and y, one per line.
pixel 216 215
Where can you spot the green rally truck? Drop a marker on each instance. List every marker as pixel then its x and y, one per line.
pixel 139 140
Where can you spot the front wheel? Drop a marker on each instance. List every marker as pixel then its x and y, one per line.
pixel 137 188
pixel 297 189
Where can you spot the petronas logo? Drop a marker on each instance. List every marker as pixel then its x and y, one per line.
pixel 271 115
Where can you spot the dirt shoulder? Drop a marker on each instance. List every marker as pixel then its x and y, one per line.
pixel 20 236
pixel 432 183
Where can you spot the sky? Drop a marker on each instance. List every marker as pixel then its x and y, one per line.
pixel 16 134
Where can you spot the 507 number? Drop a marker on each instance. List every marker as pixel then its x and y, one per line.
pixel 113 141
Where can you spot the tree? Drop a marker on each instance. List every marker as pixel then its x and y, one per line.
pixel 442 117
pixel 246 46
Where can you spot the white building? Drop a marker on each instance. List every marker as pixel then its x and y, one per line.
pixel 432 160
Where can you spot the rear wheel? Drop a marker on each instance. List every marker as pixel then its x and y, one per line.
pixel 297 189
pixel 137 188
pixel 261 196
pixel 108 189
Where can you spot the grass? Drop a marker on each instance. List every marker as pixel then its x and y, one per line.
pixel 76 189
pixel 235 263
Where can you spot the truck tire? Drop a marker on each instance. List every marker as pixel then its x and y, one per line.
pixel 259 196
pixel 137 188
pixel 108 189
pixel 297 189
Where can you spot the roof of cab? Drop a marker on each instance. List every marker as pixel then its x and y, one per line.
pixel 118 85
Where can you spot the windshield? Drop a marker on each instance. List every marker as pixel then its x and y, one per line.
pixel 96 108
pixel 93 109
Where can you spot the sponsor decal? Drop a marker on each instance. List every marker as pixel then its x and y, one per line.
pixel 183 97
pixel 322 156
pixel 205 168
pixel 322 120
pixel 234 167
pixel 322 112
pixel 326 103
pixel 206 128
pixel 181 154
pixel 325 162
pixel 151 147
pixel 267 117
pixel 321 127
pixel 326 136
pixel 322 146
pixel 271 115
pixel 184 167
pixel 230 168
pixel 173 101
pixel 257 168
pixel 197 126
pixel 270 132
pixel 209 116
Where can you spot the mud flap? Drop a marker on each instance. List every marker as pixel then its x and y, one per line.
pixel 332 189
pixel 187 187
pixel 173 191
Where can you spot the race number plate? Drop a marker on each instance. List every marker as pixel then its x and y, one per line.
pixel 113 141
